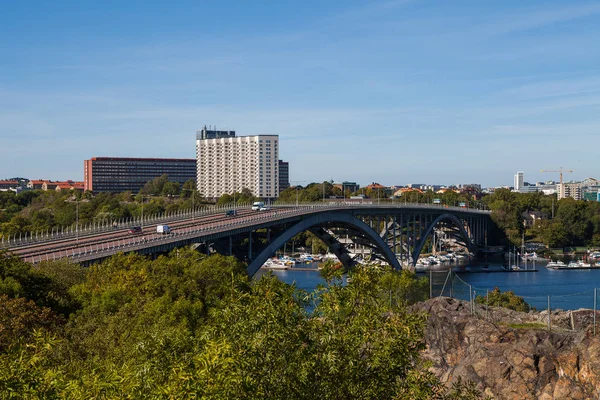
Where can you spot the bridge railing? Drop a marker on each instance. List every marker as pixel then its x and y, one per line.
pixel 93 228
pixel 110 225
pixel 102 249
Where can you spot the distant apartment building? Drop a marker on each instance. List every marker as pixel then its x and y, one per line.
pixel 284 175
pixel 9 185
pixel 571 189
pixel 35 184
pixel 116 174
pixel 347 186
pixel 518 181
pixel 592 196
pixel 470 187
pixel 227 163
pixel 69 185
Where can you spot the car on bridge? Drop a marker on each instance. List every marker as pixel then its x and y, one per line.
pixel 264 208
pixel 135 230
pixel 230 213
pixel 163 229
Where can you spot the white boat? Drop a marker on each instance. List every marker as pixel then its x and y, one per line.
pixel 530 256
pixel 584 264
pixel 274 264
pixel 578 264
pixel 556 265
pixel 595 255
pixel 287 260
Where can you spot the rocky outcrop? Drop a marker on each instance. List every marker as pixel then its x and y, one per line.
pixel 512 355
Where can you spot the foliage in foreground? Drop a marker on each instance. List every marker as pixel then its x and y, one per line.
pixel 190 326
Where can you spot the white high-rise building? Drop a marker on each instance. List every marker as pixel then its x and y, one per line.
pixel 228 164
pixel 519 182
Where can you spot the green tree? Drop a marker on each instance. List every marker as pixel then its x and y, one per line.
pixel 171 189
pixel 504 299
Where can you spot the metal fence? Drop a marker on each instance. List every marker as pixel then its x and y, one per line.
pixel 565 312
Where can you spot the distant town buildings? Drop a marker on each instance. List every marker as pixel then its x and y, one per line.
pixel 284 175
pixel 46 184
pixel 585 190
pixel 116 174
pixel 227 163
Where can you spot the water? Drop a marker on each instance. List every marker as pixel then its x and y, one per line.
pixel 304 279
pixel 568 289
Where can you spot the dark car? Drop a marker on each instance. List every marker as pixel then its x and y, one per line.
pixel 135 230
pixel 231 213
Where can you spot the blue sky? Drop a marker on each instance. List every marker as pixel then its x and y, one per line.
pixel 397 92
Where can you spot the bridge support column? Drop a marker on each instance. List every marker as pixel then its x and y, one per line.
pixel 250 246
pixel 230 245
pixel 394 235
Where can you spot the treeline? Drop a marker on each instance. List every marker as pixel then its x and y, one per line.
pixel 314 192
pixel 191 326
pixel 32 211
pixel 41 211
pixel 575 222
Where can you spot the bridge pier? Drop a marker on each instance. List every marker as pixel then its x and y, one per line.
pixel 250 246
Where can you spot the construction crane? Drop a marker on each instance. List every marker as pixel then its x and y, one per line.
pixel 559 171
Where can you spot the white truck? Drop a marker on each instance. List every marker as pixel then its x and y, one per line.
pixel 256 206
pixel 163 229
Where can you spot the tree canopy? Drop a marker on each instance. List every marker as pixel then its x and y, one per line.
pixel 191 326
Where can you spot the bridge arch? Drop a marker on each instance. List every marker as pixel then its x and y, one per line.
pixel 444 217
pixel 315 221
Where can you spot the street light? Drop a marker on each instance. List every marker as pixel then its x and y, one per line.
pixel 297 194
pixel 142 219
pixel 193 207
pixel 77 222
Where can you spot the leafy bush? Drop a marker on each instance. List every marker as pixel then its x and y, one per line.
pixel 504 299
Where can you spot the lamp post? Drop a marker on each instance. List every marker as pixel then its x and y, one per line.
pixel 142 219
pixel 77 223
pixel 193 203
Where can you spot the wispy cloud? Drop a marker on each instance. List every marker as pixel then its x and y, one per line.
pixel 371 9
pixel 576 86
pixel 540 131
pixel 527 20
